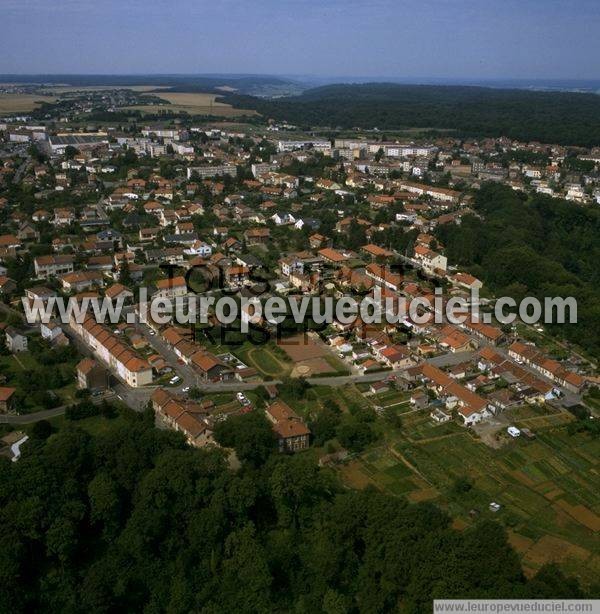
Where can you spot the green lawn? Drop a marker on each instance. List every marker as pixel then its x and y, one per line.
pixel 11 366
pixel 94 425
pixel 265 359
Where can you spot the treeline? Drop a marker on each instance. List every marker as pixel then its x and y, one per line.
pixel 132 519
pixel 534 246
pixel 550 117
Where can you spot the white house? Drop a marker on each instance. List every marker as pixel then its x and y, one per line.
pixel 283 219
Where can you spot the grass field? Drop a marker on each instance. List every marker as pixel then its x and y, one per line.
pixel 13 364
pixel 265 359
pixel 549 488
pixel 194 104
pixel 22 103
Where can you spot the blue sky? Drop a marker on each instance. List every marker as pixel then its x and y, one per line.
pixel 450 39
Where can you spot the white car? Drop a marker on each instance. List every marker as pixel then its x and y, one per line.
pixel 175 380
pixel 513 431
pixel 151 332
pixel 185 389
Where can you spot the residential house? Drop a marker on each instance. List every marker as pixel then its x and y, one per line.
pixel 81 280
pixel 332 256
pixel 292 433
pixel 236 275
pixel 291 264
pixel 210 368
pixel 257 236
pixel 171 288
pixel 7 398
pixel 7 286
pixel 283 219
pixel 91 375
pixel 53 265
pixel 431 261
pixel 15 340
pixel 118 292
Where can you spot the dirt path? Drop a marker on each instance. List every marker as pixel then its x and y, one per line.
pixel 403 460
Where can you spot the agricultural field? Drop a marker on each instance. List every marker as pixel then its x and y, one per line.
pixel 194 104
pixel 548 488
pixel 22 103
pixel 318 396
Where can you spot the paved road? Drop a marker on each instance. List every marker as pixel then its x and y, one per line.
pixel 185 372
pixel 46 414
pixel 439 361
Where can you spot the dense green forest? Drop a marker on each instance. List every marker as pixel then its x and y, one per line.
pixel 130 519
pixel 550 117
pixel 534 246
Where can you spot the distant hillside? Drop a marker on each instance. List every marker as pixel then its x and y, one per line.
pixel 255 85
pixel 561 117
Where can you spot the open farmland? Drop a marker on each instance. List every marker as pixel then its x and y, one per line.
pixel 22 103
pixel 549 488
pixel 192 103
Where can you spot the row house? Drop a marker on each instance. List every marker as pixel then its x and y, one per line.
pixel 375 252
pixel 122 360
pixel 384 277
pixel 184 416
pixel 487 332
pixel 471 407
pixel 549 368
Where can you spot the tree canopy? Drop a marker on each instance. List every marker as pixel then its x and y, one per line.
pixel 132 519
pixel 533 246
pixel 551 117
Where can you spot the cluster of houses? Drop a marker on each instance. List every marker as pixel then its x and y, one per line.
pixel 118 356
pixel 196 420
pixel 192 418
pixel 145 217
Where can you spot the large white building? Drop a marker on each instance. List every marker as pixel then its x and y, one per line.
pixel 206 172
pixel 322 146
